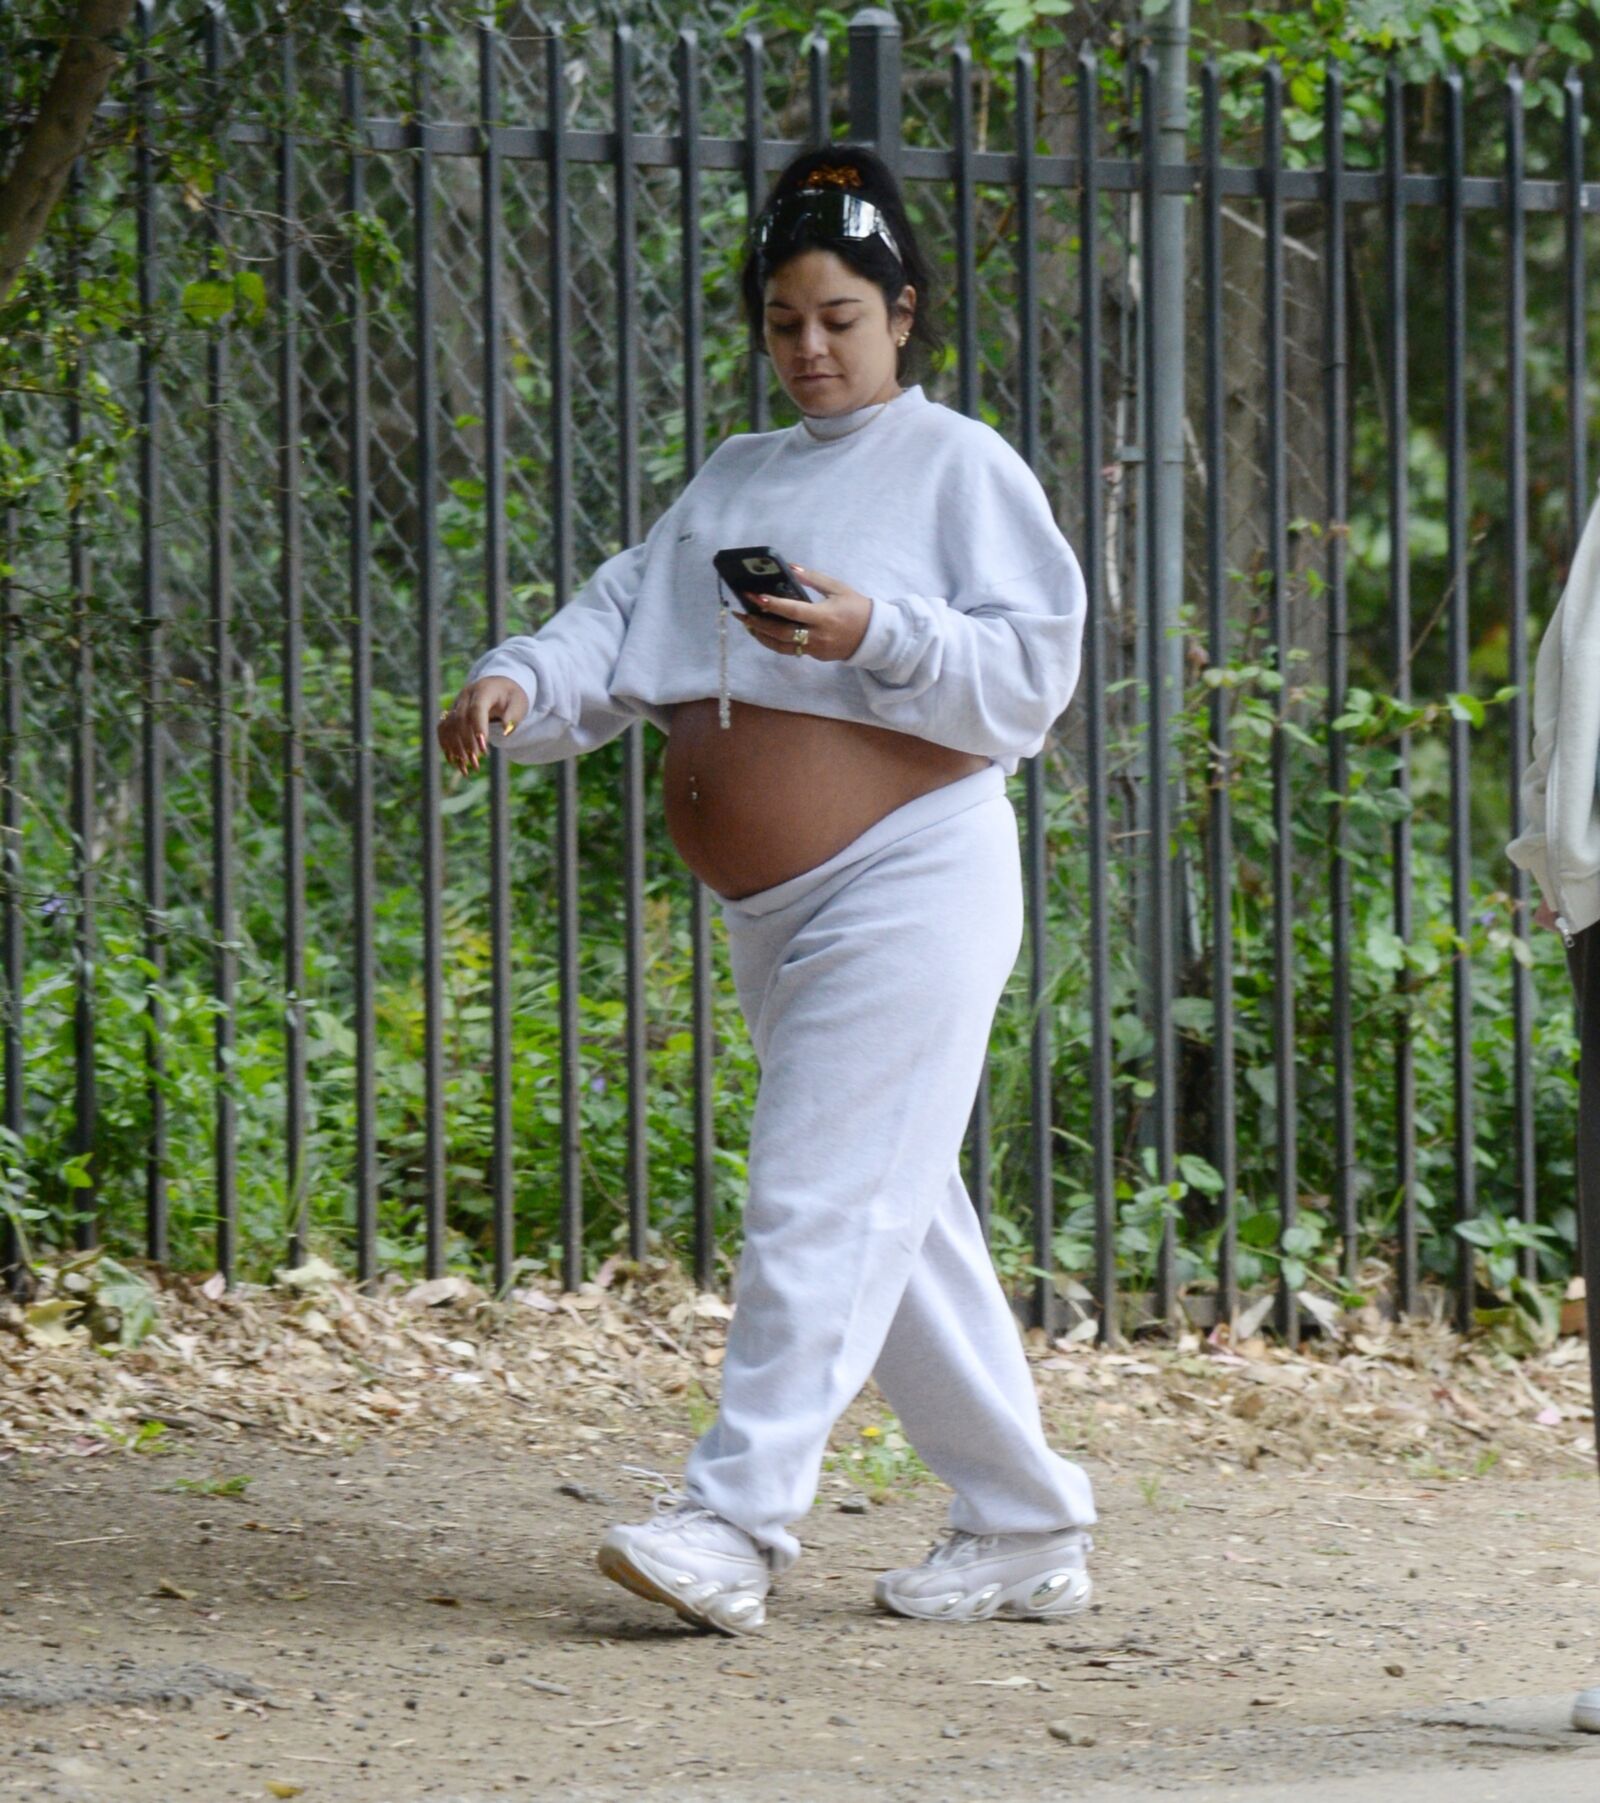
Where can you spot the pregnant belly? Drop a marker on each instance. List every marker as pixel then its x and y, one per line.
pixel 778 793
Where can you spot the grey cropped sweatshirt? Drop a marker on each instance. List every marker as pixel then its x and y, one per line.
pixel 977 600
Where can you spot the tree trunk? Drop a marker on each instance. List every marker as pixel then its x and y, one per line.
pixel 33 184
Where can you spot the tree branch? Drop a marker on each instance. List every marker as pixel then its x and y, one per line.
pixel 33 184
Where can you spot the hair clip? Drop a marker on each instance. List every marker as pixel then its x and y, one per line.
pixel 838 175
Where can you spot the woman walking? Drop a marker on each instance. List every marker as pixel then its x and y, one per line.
pixel 835 771
pixel 1561 847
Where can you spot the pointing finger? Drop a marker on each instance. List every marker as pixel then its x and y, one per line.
pixel 785 608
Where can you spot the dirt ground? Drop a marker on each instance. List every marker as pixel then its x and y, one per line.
pixel 1294 1580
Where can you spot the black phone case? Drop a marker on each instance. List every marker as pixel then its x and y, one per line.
pixel 739 567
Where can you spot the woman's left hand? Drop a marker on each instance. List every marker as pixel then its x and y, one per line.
pixel 834 626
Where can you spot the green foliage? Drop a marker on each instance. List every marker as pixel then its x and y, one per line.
pixel 1421 40
pixel 881 1460
pixel 71 328
pixel 213 1486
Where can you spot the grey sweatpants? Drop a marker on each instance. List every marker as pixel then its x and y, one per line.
pixel 869 984
pixel 1583 959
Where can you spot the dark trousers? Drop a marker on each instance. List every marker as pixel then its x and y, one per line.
pixel 1584 962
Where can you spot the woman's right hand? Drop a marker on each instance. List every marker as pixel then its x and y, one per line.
pixel 464 730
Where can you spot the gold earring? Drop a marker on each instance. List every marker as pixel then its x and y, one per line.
pixel 902 341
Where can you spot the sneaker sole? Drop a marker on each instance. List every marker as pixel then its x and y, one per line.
pixel 984 1605
pixel 617 1566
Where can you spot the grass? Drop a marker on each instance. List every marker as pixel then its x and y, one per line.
pixel 213 1486
pixel 881 1461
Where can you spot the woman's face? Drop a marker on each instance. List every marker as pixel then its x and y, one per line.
pixel 830 336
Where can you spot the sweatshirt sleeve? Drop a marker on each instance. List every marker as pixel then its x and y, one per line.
pixel 990 667
pixel 565 667
pixel 1531 849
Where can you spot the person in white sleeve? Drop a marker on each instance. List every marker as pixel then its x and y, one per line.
pixel 1561 848
pixel 835 771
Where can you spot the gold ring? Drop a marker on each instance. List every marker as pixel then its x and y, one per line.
pixel 801 635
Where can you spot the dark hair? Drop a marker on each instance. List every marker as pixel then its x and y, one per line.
pixel 868 257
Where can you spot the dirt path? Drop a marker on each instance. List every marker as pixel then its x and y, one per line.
pixel 415 1618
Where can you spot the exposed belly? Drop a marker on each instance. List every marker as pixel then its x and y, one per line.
pixel 777 793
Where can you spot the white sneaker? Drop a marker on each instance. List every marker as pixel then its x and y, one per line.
pixel 1586 1710
pixel 970 1577
pixel 692 1560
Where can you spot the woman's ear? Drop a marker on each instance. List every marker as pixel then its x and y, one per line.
pixel 906 307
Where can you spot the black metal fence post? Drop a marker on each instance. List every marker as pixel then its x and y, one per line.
pixel 1398 425
pixel 496 581
pixel 1036 861
pixel 1091 550
pixel 818 94
pixel 153 653
pixel 1277 571
pixel 1460 651
pixel 291 591
pixel 219 599
pixel 694 442
pixel 363 884
pixel 1523 1150
pixel 559 234
pixel 875 83
pixel 1578 496
pixel 1151 1106
pixel 1336 355
pixel 755 187
pixel 1157 673
pixel 624 58
pixel 86 1098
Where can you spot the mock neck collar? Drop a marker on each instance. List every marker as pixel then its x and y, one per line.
pixel 825 426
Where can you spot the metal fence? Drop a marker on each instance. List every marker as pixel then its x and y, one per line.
pixel 388 474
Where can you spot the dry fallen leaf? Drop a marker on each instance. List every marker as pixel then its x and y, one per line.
pixel 50 1323
pixel 259 1357
pixel 315 1274
pixel 276 1788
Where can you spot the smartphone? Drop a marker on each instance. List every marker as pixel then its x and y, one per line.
pixel 758 570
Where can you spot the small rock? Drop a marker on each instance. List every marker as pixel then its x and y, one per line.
pixel 950 1732
pixel 544 1684
pixel 495 1659
pixel 853 1504
pixel 1071 1734
pixel 840 1721
pixel 1395 1671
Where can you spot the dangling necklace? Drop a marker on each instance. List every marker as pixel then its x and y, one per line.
pixel 724 703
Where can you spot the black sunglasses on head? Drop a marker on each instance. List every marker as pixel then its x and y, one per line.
pixel 817 213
